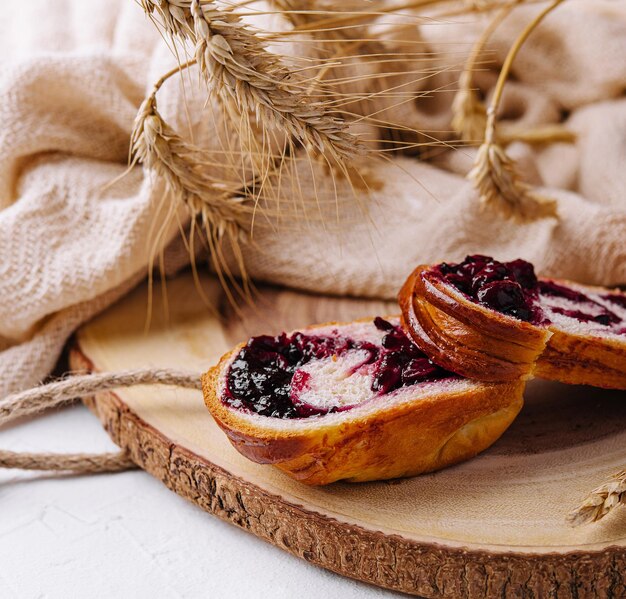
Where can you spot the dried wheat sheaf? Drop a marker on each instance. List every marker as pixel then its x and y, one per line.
pixel 338 97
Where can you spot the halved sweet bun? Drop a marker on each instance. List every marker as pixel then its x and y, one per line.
pixel 355 401
pixel 496 321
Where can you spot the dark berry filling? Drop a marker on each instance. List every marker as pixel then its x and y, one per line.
pixel 265 377
pixel 605 319
pixel 512 288
pixel 614 298
pixel 604 316
pixel 507 287
pixel 403 363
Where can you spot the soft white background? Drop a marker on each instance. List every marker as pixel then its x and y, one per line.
pixel 126 535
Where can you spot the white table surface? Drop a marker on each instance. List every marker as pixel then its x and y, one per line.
pixel 126 535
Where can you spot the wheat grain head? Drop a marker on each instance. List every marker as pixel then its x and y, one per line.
pixel 601 501
pixel 251 81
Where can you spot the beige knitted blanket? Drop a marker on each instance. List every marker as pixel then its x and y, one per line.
pixel 73 75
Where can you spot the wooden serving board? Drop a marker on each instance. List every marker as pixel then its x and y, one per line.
pixel 492 527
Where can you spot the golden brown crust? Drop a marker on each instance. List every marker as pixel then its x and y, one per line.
pixel 582 360
pixel 482 344
pixel 402 439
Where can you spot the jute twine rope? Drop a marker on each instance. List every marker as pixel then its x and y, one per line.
pixel 33 401
pixel 38 399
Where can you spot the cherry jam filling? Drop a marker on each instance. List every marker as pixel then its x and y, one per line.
pixel 507 287
pixel 604 316
pixel 265 376
pixel 618 300
pixel 512 288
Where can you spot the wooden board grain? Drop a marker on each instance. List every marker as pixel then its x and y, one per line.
pixel 492 527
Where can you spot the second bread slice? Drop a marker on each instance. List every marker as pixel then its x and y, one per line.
pixel 495 322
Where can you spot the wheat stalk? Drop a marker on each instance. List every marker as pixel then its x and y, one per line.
pixel 601 501
pixel 251 81
pixel 469 113
pixel 542 134
pixel 469 118
pixel 493 174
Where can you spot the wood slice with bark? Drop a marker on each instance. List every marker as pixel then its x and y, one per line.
pixel 492 527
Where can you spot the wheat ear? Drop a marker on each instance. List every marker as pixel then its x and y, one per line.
pixel 601 501
pixel 222 207
pixel 494 175
pixel 252 82
pixel 499 186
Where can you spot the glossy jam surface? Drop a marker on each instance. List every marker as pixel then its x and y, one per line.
pixel 512 288
pixel 266 376
pixel 507 287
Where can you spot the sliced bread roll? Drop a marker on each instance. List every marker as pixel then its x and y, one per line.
pixel 497 322
pixel 355 401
